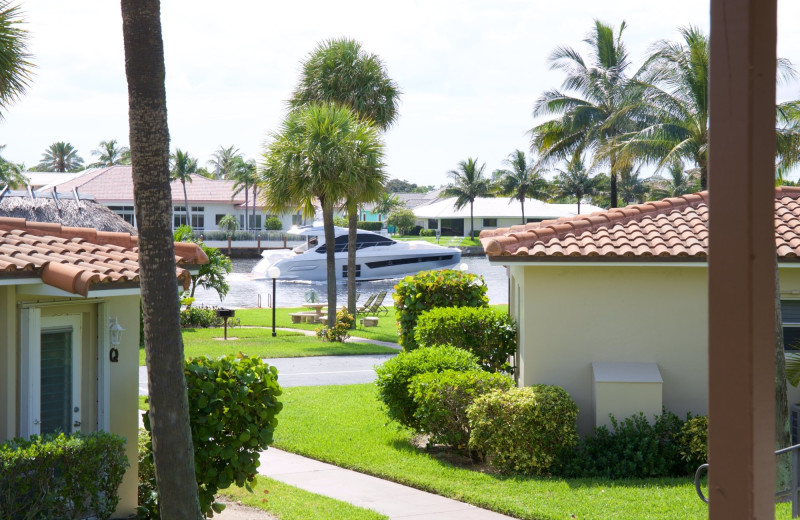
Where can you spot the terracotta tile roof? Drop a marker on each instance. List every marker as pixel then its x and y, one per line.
pixel 674 228
pixel 78 260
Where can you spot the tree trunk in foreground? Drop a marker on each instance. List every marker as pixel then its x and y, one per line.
pixel 352 245
pixel 149 142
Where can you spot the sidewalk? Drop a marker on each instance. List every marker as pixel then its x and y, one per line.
pixel 391 499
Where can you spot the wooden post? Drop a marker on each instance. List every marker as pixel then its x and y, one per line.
pixel 229 245
pixel 742 260
pixel 258 246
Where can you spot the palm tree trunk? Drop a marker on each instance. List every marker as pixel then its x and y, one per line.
pixel 255 192
pixel 613 176
pixel 246 204
pixel 471 222
pixel 522 204
pixel 186 203
pixel 352 245
pixel 330 239
pixel 173 452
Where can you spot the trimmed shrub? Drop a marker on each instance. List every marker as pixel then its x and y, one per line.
pixel 394 377
pixel 693 442
pixel 232 408
pixel 490 335
pixel 442 398
pixel 341 330
pixel 273 224
pixel 369 226
pixel 203 317
pixel 427 232
pixel 61 476
pixel 428 289
pixel 633 449
pixel 523 430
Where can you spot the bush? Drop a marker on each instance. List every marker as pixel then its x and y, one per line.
pixel 146 489
pixel 341 330
pixel 634 449
pixel 428 289
pixel 61 476
pixel 490 335
pixel 232 409
pixel 204 317
pixel 369 226
pixel 427 232
pixel 403 219
pixel 692 442
pixel 394 377
pixel 523 430
pixel 414 231
pixel 442 398
pixel 273 224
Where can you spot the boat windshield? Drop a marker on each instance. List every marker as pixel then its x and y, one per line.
pixel 364 241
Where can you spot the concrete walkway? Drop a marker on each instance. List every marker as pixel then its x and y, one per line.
pixel 389 498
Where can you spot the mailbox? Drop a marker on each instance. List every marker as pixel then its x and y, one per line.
pixel 226 313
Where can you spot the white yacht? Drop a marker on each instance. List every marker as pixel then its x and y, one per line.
pixel 377 257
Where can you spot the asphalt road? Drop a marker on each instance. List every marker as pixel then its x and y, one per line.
pixel 314 371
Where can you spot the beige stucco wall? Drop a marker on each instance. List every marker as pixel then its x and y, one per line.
pixel 571 316
pixel 8 362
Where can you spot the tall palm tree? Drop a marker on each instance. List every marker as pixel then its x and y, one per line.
pixel 679 182
pixel 61 157
pixel 109 154
pixel 11 174
pixel 319 153
pixel 468 184
pixel 601 109
pixel 387 203
pixel 522 179
pixel 181 167
pixel 15 69
pixel 341 71
pixel 173 453
pixel 575 181
pixel 632 189
pixel 223 161
pixel 244 176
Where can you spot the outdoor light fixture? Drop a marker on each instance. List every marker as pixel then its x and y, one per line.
pixel 274 272
pixel 463 267
pixel 115 338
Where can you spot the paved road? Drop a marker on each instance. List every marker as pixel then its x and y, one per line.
pixel 314 371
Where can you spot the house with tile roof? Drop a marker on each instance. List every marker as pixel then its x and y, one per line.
pixel 613 306
pixel 209 199
pixel 61 368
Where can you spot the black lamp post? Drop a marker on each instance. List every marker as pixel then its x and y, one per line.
pixel 274 272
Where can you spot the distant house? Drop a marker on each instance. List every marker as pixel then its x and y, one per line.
pixel 612 305
pixel 489 213
pixel 209 199
pixel 61 288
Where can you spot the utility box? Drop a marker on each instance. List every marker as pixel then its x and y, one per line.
pixel 625 389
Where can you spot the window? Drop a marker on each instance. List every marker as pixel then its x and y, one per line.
pixel 358 271
pixel 126 212
pixel 179 216
pixel 790 314
pixel 433 223
pixel 198 217
pixel 490 222
pixel 217 218
pixel 363 241
pixel 297 219
pixel 530 220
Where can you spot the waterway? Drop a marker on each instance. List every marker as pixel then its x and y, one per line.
pixel 245 291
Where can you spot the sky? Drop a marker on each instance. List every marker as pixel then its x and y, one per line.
pixel 470 72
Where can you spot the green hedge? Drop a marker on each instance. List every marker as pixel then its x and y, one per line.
pixel 369 226
pixel 442 399
pixel 273 224
pixel 201 316
pixel 63 476
pixel 524 430
pixel 394 377
pixel 428 289
pixel 427 232
pixel 232 408
pixel 490 335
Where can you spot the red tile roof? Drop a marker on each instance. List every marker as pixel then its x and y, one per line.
pixel 674 228
pixel 78 260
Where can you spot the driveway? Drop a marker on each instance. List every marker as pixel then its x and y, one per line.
pixel 314 371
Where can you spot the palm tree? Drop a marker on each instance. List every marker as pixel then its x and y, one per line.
pixel 387 203
pixel 602 109
pixel 340 71
pixel 468 184
pixel 632 189
pixel 244 176
pixel 182 166
pixel 15 69
pixel 223 161
pixel 173 454
pixel 575 181
pixel 10 173
pixel 521 180
pixel 109 154
pixel 320 152
pixel 61 157
pixel 679 182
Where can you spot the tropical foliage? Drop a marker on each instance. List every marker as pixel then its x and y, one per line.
pixel 576 182
pixel 522 179
pixel 16 70
pixel 468 184
pixel 109 154
pixel 181 167
pixel 61 157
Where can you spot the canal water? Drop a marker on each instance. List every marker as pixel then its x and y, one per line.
pixel 245 291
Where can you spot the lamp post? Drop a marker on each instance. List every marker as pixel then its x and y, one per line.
pixel 274 272
pixel 115 337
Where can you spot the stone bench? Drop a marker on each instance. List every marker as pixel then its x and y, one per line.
pixel 371 321
pixel 300 317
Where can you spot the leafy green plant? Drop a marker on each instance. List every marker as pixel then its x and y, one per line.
pixel 204 317
pixel 634 447
pixel 490 335
pixel 394 377
pixel 146 489
pixel 442 399
pixel 228 224
pixel 341 330
pixel 61 476
pixel 523 430
pixel 428 289
pixel 232 408
pixel 273 224
pixel 692 442
pixel 427 232
pixel 403 219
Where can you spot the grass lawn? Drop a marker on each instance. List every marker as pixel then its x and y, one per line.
pixel 345 425
pixel 385 331
pixel 259 342
pixel 444 241
pixel 291 503
pixel 142 404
